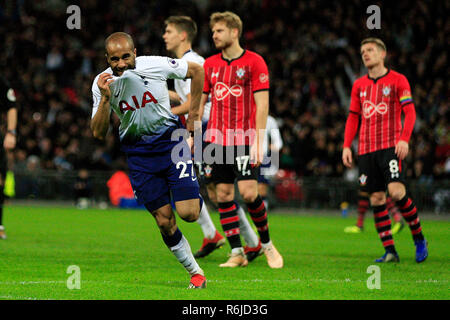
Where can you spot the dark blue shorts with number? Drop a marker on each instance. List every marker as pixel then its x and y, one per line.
pixel 378 169
pixel 156 177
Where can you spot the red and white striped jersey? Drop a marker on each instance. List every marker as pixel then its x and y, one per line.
pixel 232 84
pixel 380 103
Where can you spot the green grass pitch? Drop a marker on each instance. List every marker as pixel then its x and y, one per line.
pixel 121 255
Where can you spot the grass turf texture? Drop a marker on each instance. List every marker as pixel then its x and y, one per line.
pixel 121 256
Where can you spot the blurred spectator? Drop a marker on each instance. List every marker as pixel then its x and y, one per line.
pixel 83 189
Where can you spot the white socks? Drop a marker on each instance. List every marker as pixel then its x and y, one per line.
pixel 183 253
pixel 205 222
pixel 250 237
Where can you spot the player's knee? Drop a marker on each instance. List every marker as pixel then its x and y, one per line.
pixel 190 215
pixel 377 199
pixel 397 194
pixel 249 196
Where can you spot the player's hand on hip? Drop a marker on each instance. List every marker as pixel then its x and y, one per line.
pixel 104 80
pixel 401 149
pixel 347 157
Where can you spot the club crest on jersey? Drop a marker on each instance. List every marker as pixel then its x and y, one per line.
pixel 221 90
pixel 263 77
pixel 172 62
pixel 363 180
pixel 386 91
pixel 240 73
pixel 369 109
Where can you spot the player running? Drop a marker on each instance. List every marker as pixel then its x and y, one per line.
pixel 378 99
pixel 136 89
pixel 8 104
pixel 238 81
pixel 179 33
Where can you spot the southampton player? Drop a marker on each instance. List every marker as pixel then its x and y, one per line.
pixel 136 89
pixel 379 99
pixel 8 104
pixel 178 36
pixel 238 82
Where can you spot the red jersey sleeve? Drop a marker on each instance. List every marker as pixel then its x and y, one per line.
pixel 406 101
pixel 260 75
pixel 351 126
pixel 355 101
pixel 404 91
pixel 206 85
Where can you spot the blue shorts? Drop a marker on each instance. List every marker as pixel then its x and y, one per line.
pixel 154 177
pixel 262 178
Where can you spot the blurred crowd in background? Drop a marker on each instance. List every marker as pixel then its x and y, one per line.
pixel 311 48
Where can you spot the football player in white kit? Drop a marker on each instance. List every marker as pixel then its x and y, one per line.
pixel 179 33
pixel 135 88
pixel 272 145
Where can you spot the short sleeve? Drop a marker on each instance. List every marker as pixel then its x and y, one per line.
pixel 96 97
pixel 260 75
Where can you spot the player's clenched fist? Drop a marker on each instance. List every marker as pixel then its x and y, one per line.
pixel 104 80
pixel 347 157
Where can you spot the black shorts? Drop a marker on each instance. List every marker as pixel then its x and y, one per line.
pixel 233 164
pixel 378 169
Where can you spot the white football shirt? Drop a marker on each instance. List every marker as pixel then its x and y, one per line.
pixel 183 87
pixel 140 97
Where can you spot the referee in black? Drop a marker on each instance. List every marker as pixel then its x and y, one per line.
pixel 8 105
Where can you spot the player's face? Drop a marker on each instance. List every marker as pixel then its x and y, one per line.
pixel 223 36
pixel 120 58
pixel 372 55
pixel 172 37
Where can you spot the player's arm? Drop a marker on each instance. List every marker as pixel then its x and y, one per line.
pixel 197 75
pixel 184 107
pixel 407 105
pixel 351 127
pixel 262 111
pixel 9 142
pixel 174 97
pixel 100 121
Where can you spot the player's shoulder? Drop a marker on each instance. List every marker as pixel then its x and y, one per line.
pixel 361 80
pixel 214 58
pixel 193 57
pixel 397 75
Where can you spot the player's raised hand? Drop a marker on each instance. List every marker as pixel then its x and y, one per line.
pixel 10 141
pixel 104 80
pixel 347 157
pixel 401 149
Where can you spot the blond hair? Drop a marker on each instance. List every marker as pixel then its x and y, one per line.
pixel 231 20
pixel 379 43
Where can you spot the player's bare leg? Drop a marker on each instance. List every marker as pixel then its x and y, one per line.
pixel 408 209
pixel 177 243
pixel 249 192
pixel 262 191
pixel 229 220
